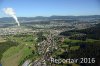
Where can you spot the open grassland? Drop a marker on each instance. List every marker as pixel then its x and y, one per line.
pixel 16 55
pixel 2 39
pixel 4 46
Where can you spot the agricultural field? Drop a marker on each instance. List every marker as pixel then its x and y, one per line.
pixel 16 49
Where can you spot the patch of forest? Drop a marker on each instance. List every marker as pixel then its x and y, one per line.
pixel 83 34
pixel 84 43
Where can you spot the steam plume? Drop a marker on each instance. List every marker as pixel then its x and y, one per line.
pixel 10 12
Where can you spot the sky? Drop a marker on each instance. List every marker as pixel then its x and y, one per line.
pixel 32 8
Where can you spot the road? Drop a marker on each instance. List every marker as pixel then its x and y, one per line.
pixel 26 63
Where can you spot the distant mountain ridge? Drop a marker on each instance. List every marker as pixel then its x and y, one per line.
pixel 42 18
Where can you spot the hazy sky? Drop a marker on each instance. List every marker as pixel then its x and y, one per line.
pixel 31 8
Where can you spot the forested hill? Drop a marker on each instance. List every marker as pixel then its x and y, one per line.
pixel 90 33
pixel 84 43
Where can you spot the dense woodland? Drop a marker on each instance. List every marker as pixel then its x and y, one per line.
pixel 88 41
pixel 89 33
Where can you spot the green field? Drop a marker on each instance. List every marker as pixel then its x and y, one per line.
pixel 16 53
